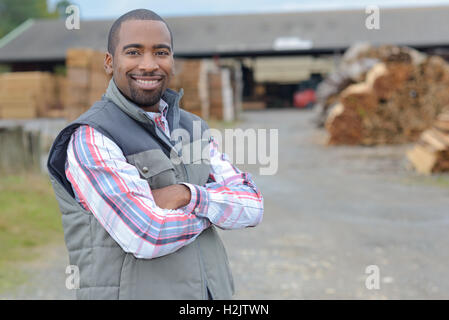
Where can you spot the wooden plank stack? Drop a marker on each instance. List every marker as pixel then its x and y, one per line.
pixel 188 77
pixel 215 94
pixel 204 89
pixel 431 152
pixel 26 95
pixel 86 80
pixel 254 105
pixel 396 101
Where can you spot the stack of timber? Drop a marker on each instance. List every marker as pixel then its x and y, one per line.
pixel 398 98
pixel 189 77
pixel 258 101
pixel 27 95
pixel 86 80
pixel 254 105
pixel 431 152
pixel 208 88
pixel 216 94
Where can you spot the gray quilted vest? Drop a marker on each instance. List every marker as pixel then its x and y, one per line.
pixel 108 272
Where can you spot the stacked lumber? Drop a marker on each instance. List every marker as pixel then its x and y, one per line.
pixel 86 80
pixel 215 95
pixel 188 77
pixel 206 94
pixel 61 97
pixel 431 153
pixel 254 105
pixel 398 98
pixel 25 95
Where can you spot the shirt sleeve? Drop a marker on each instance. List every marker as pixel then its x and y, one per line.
pixel 231 200
pixel 111 188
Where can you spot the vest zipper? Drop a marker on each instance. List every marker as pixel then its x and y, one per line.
pixel 207 291
pixel 157 131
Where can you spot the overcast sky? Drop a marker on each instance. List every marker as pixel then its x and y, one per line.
pixel 104 9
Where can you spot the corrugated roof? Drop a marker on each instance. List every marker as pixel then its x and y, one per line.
pixel 243 34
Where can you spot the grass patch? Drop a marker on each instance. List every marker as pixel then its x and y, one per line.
pixel 440 180
pixel 220 124
pixel 29 218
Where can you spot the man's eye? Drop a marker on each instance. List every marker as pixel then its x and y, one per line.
pixel 132 52
pixel 162 53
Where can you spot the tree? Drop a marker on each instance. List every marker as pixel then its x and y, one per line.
pixel 13 12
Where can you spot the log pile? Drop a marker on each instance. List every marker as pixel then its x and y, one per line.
pixel 27 95
pixel 431 152
pixel 344 126
pixel 398 98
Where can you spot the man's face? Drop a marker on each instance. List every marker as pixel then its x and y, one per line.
pixel 142 64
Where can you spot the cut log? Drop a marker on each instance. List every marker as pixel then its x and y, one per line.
pixel 344 126
pixel 442 122
pixel 359 97
pixel 381 81
pixel 432 138
pixel 422 159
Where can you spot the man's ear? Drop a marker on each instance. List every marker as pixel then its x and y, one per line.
pixel 108 61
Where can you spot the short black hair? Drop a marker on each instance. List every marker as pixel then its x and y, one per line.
pixel 138 14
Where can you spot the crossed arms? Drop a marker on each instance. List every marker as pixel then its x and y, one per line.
pixel 152 223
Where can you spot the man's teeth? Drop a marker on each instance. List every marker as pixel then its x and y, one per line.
pixel 147 81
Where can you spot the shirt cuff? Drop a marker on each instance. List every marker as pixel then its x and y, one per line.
pixel 199 200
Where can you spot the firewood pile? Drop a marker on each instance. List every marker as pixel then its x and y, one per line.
pixel 431 152
pixel 393 102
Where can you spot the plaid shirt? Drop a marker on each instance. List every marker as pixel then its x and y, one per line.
pixel 136 223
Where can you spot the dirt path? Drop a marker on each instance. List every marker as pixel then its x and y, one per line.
pixel 329 213
pixel 332 211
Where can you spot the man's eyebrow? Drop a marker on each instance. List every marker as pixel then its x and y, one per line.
pixel 140 46
pixel 132 45
pixel 162 46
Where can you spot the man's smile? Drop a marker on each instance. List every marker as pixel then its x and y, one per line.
pixel 147 82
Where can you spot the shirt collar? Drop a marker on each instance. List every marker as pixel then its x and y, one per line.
pixel 163 108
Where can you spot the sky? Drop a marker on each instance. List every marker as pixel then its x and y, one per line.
pixel 107 9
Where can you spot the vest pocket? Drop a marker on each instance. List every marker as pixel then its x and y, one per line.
pixel 155 167
pixel 198 163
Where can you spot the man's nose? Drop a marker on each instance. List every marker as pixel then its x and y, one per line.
pixel 148 62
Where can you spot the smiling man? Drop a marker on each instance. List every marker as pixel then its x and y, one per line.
pixel 139 219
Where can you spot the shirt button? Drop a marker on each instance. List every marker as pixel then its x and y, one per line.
pixel 197 210
pixel 145 170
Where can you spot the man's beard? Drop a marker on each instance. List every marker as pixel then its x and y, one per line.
pixel 145 98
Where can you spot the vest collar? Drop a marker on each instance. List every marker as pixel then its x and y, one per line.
pixel 170 96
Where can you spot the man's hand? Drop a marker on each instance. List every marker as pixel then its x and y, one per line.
pixel 172 197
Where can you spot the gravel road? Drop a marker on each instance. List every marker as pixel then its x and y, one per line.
pixel 330 212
